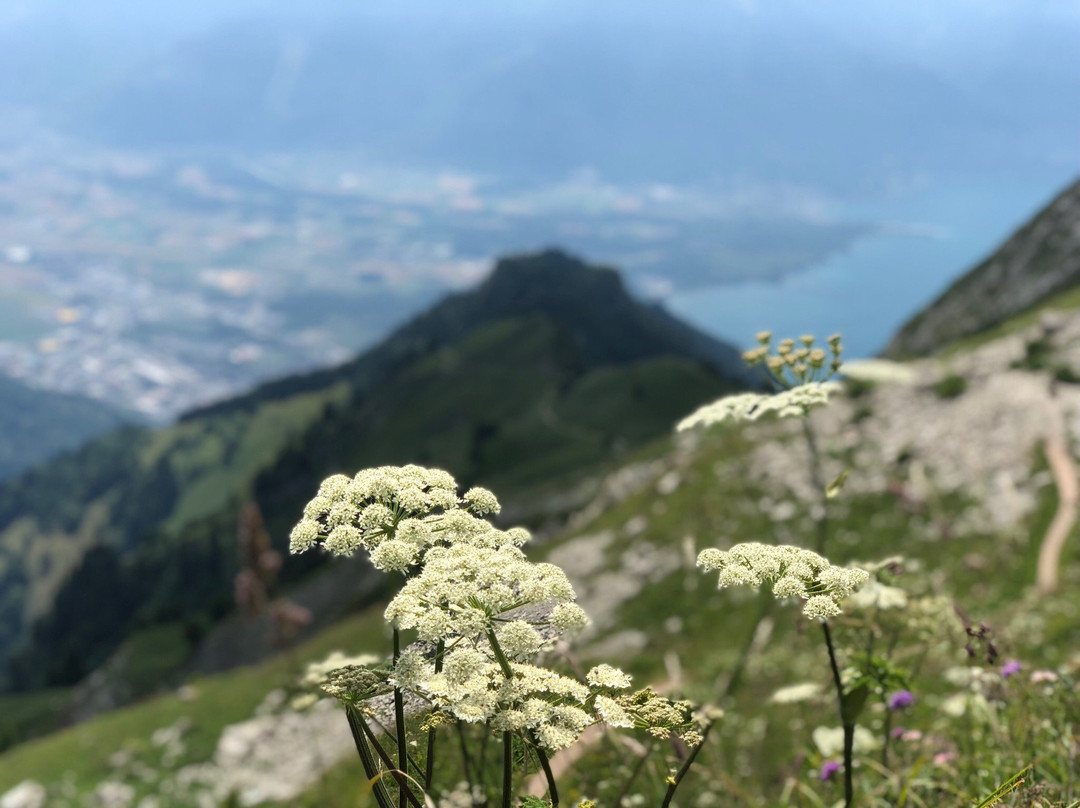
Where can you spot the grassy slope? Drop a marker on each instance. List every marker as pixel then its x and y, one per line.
pixel 219 700
pixel 714 500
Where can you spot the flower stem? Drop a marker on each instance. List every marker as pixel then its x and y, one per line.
pixel 371 768
pixel 429 762
pixel 504 663
pixel 849 727
pixel 681 773
pixel 401 777
pixel 508 766
pixel 399 720
pixel 553 792
pixel 817 478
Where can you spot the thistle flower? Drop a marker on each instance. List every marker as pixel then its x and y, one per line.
pixel 1010 668
pixel 828 769
pixel 793 572
pixel 900 700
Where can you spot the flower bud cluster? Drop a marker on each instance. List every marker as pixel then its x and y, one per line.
pixel 795 362
pixel 792 571
pixel 661 717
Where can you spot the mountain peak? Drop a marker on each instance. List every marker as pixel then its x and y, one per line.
pixel 590 305
pixel 531 278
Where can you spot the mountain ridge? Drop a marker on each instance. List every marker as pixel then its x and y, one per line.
pixel 1036 262
pixel 513 287
pixel 36 424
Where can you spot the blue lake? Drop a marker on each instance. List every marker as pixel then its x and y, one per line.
pixel 924 243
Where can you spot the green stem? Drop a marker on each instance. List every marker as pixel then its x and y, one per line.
pixel 371 768
pixel 465 758
pixel 399 720
pixel 681 773
pixel 504 663
pixel 817 478
pixel 849 728
pixel 429 762
pixel 508 769
pixel 402 779
pixel 553 792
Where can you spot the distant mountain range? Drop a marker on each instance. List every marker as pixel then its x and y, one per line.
pixel 1038 261
pixel 37 424
pixel 548 369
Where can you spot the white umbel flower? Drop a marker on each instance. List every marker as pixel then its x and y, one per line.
pixel 793 572
pixel 609 677
pixel 793 403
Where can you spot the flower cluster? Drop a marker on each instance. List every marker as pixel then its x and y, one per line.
pixel 466 590
pixel 793 403
pixel 661 717
pixel 396 514
pixel 800 374
pixel 546 706
pixel 793 572
pixel 481 610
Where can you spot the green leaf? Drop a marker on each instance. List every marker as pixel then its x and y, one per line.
pixel 1005 788
pixel 833 489
pixel 853 702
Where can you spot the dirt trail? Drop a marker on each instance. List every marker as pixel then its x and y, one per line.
pixel 1063 467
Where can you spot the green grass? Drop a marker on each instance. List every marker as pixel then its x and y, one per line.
pixel 219 700
pixel 23 715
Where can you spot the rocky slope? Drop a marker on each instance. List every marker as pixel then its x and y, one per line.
pixel 1039 260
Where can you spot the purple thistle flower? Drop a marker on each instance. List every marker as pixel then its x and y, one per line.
pixel 901 699
pixel 1010 668
pixel 828 769
pixel 898 732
